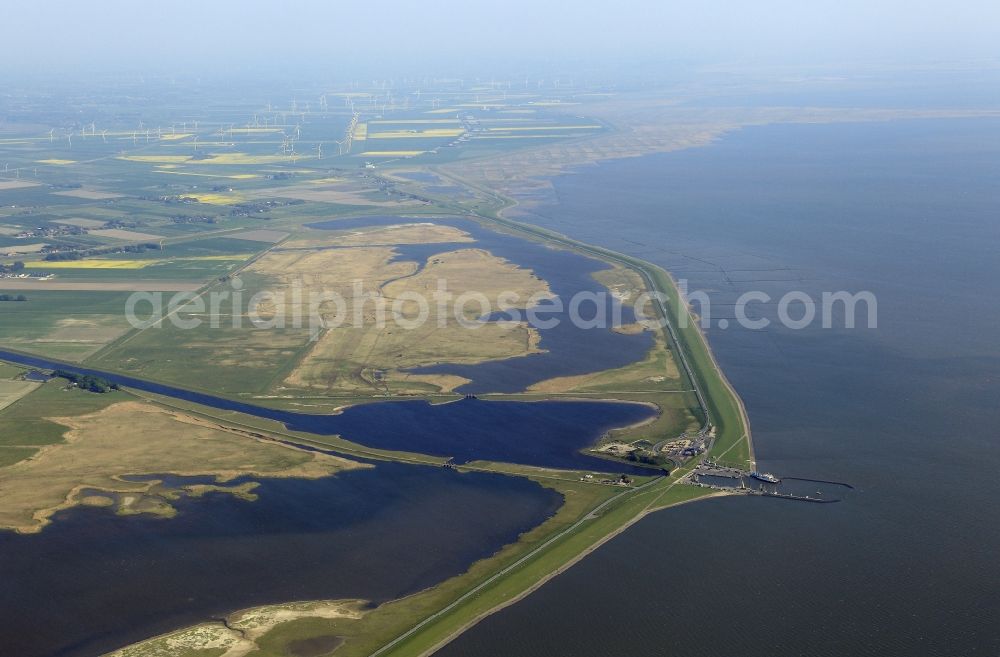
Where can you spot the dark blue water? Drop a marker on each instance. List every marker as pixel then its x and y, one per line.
pixel 549 433
pixel 908 412
pixel 569 349
pixel 35 375
pixel 94 581
pixel 539 433
pixel 417 253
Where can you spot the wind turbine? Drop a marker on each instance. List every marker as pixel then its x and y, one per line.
pixel 104 136
pixel 319 151
pixel 50 134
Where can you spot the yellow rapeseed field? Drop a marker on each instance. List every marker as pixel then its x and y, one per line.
pixel 215 158
pixel 413 121
pixel 90 264
pixel 235 176
pixel 218 199
pixel 408 134
pixel 560 135
pixel 247 158
pixel 546 127
pixel 97 263
pixel 391 153
pixel 155 159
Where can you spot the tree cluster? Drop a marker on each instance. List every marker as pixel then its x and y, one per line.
pixel 87 381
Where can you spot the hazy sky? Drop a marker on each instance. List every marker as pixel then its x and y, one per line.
pixel 136 32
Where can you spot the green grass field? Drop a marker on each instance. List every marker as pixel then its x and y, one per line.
pixel 68 325
pixel 732 437
pixel 24 427
pixel 149 184
pixel 9 370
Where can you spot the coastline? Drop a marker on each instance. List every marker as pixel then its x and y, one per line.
pixel 558 571
pixel 624 523
pixel 698 347
pixel 612 524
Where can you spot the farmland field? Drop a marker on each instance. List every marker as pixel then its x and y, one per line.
pixel 203 238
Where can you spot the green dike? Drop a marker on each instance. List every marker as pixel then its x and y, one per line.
pixel 590 514
pixel 557 555
pixel 727 415
pixel 733 442
pixel 447 603
pixel 418 623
